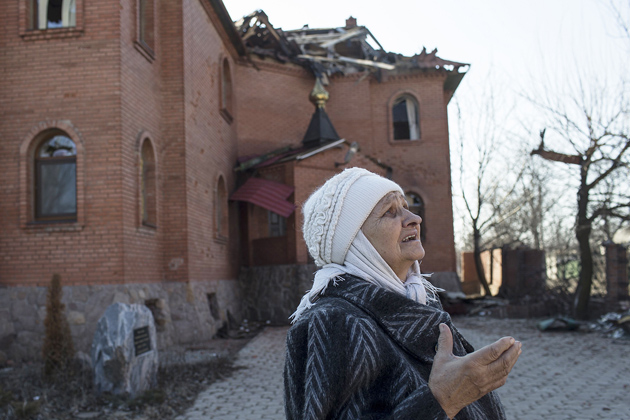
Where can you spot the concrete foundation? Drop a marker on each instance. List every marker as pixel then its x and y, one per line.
pixel 273 292
pixel 185 313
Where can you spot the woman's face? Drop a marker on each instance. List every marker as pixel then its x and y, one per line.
pixel 395 233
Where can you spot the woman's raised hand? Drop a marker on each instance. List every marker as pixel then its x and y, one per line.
pixel 458 381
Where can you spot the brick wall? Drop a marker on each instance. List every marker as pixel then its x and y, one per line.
pixel 616 272
pixel 273 107
pixel 492 261
pixel 210 144
pixel 141 114
pixel 63 78
pixel 173 154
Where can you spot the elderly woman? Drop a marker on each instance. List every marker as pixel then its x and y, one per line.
pixel 370 339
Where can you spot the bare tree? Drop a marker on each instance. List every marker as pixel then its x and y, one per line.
pixel 598 135
pixel 588 124
pixel 535 206
pixel 621 13
pixel 485 188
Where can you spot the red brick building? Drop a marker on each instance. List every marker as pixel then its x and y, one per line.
pixel 123 122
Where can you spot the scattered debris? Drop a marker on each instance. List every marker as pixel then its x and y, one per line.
pixel 558 324
pixel 482 306
pixel 247 329
pixel 613 324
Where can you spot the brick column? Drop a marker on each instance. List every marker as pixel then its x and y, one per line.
pixel 616 272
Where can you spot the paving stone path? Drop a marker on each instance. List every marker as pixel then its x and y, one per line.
pixel 253 392
pixel 559 376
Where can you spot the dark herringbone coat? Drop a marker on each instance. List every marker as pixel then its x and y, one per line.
pixel 362 352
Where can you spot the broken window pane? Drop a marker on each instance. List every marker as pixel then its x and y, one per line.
pixel 57 146
pixel 50 14
pixel 54 13
pixel 405 119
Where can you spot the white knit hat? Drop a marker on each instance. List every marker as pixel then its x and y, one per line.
pixel 335 212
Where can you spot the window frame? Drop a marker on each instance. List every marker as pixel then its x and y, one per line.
pixel 394 100
pixel 144 226
pixel 145 48
pixel 40 133
pixel 29 32
pixel 37 185
pixel 147 203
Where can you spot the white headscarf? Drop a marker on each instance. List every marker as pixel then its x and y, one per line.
pixel 363 261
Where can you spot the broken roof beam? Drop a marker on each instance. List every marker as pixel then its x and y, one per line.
pixel 365 63
pixel 312 39
pixel 330 36
pixel 354 32
pixel 262 17
pixel 320 149
pixel 374 39
pixel 251 28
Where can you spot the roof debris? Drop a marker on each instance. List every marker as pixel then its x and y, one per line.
pixel 344 50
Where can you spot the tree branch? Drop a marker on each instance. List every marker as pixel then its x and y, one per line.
pixel 554 156
pixel 614 165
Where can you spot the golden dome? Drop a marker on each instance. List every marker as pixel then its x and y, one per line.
pixel 319 96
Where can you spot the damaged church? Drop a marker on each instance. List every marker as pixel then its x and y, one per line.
pixel 159 152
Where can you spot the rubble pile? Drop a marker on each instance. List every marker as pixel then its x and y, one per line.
pixel 614 324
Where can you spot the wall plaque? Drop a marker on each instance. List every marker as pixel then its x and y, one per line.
pixel 141 340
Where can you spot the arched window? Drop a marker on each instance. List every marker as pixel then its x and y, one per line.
pixel 416 206
pixel 405 117
pixel 49 14
pixel 56 179
pixel 221 210
pixel 148 199
pixel 226 91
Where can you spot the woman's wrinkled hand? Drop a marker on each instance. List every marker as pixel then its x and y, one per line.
pixel 458 381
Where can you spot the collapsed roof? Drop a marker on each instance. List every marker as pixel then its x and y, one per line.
pixel 342 50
